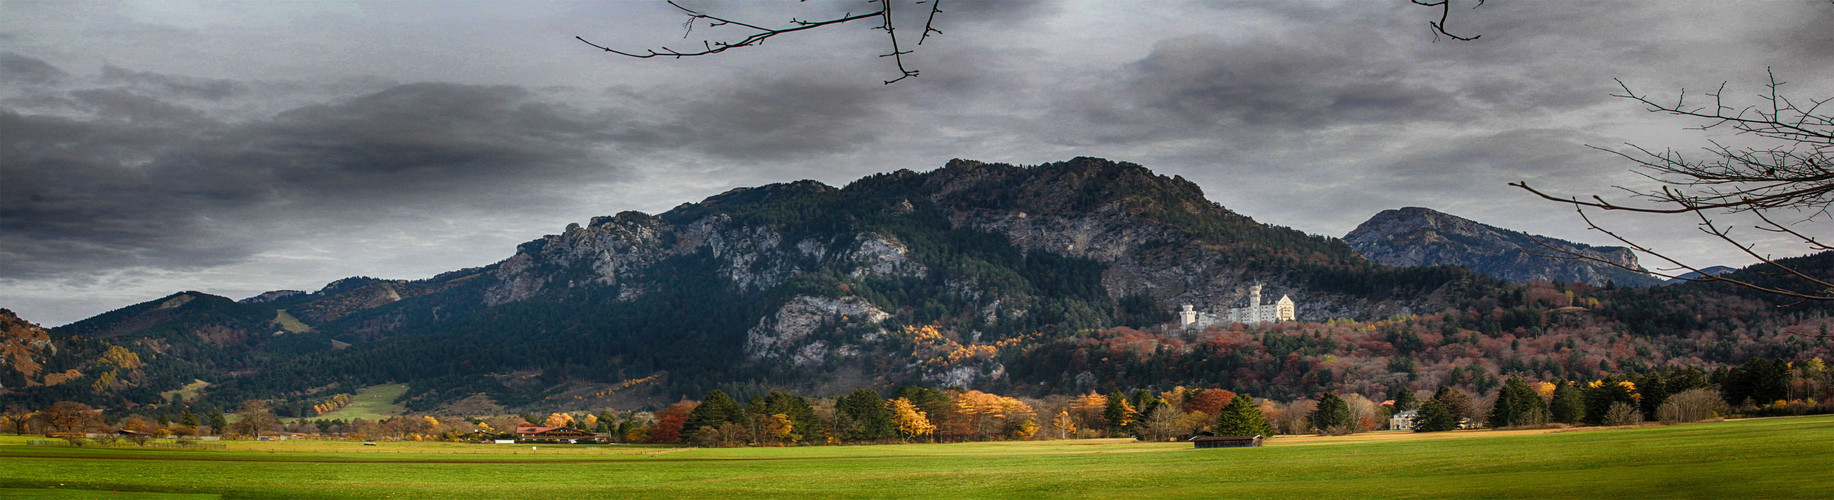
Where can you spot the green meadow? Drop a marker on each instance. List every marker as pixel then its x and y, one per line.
pixel 375 402
pixel 1758 458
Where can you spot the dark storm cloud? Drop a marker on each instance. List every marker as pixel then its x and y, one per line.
pixel 16 69
pixel 135 179
pixel 173 85
pixel 780 120
pixel 1203 85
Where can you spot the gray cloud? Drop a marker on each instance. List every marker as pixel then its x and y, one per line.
pixel 147 150
pixel 16 69
pixel 137 180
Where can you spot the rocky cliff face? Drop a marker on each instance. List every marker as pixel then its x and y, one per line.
pixel 1415 236
pixel 24 350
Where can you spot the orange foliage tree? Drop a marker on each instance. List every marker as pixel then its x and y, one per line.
pixel 669 422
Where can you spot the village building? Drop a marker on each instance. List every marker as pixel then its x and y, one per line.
pixel 1254 313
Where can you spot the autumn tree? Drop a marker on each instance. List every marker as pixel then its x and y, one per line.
pixel 18 417
pixel 1622 413
pixel 802 416
pixel 558 420
pixel 1207 401
pixel 1242 418
pixel 1089 411
pixel 254 416
pixel 68 416
pixel 669 423
pixel 911 422
pixel 1064 424
pixel 1160 424
pixel 1692 405
pixel 1332 416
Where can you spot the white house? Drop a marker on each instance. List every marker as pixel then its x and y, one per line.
pixel 1403 421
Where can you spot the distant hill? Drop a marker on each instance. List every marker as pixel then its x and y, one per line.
pixel 1415 236
pixel 1704 272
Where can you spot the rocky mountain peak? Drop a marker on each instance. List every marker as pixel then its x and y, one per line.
pixel 1417 236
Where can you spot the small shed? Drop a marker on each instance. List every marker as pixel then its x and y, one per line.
pixel 1226 441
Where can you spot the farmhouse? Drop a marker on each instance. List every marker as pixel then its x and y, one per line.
pixel 1226 441
pixel 1403 421
pixel 528 433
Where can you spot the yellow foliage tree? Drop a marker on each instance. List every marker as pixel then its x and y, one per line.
pixel 1064 423
pixel 1087 409
pixel 558 420
pixel 1545 389
pixel 910 421
pixel 779 427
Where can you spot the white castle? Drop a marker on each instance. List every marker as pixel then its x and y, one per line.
pixel 1280 310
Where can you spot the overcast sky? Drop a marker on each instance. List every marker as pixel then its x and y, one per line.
pixel 237 147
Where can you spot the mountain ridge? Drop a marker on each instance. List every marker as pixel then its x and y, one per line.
pixel 1415 236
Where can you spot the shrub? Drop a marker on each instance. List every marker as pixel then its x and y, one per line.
pixel 1692 405
pixel 1622 413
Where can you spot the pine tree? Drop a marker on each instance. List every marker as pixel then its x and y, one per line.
pixel 1517 404
pixel 716 410
pixel 1405 400
pixel 1455 400
pixel 872 419
pixel 218 422
pixel 1242 418
pixel 1434 416
pixel 1332 416
pixel 1567 407
pixel 1120 415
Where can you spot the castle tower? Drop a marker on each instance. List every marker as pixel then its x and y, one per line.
pixel 1187 316
pixel 1254 295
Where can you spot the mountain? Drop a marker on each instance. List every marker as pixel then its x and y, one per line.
pixel 1704 272
pixel 1053 278
pixel 1415 236
pixel 901 277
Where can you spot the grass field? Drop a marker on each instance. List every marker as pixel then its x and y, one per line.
pixel 375 402
pixel 1758 458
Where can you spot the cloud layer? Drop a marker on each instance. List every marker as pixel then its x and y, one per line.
pixel 152 147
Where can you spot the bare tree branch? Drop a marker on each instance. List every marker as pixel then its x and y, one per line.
pixel 1793 174
pixel 1445 12
pixel 757 34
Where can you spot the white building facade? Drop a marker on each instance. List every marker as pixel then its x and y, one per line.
pixel 1254 313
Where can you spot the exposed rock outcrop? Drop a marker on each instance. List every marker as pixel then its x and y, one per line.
pixel 1415 236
